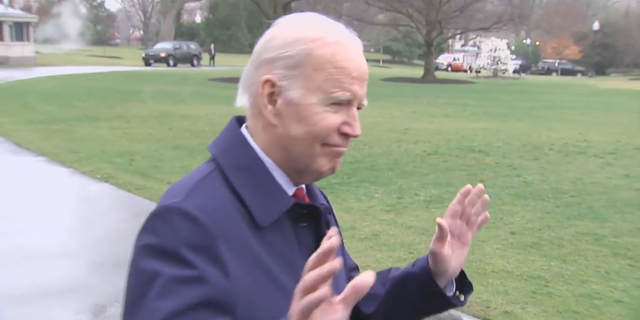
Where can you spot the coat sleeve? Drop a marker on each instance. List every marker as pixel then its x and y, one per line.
pixel 407 293
pixel 178 271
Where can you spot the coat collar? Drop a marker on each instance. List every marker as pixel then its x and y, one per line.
pixel 257 187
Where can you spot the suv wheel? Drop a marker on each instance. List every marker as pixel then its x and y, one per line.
pixel 171 62
pixel 195 61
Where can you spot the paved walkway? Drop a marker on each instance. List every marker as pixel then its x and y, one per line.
pixel 66 240
pixel 14 74
pixel 66 237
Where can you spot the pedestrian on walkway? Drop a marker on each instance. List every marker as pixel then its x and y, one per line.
pixel 212 55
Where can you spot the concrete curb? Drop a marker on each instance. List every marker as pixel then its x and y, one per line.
pixel 464 316
pixel 15 74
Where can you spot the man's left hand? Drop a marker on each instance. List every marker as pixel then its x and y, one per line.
pixel 450 245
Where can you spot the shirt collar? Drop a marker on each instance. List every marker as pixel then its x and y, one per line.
pixel 277 173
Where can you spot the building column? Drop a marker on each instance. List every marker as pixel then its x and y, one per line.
pixel 5 34
pixel 31 38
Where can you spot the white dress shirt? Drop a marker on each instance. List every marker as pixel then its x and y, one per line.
pixel 287 185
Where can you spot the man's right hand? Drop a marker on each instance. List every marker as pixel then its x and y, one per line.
pixel 313 298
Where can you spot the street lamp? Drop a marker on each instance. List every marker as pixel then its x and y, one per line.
pixel 595 27
pixel 527 41
pixel 198 19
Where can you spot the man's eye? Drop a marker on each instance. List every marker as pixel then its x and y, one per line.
pixel 342 103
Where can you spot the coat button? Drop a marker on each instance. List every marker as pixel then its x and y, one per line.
pixel 303 218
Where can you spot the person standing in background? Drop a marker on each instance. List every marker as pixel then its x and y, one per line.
pixel 212 55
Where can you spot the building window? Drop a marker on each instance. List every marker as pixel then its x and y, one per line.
pixel 1 31
pixel 18 31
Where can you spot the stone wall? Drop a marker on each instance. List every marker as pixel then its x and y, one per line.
pixel 25 60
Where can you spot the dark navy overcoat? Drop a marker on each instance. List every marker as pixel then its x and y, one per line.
pixel 227 242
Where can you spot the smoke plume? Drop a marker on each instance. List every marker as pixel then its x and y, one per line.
pixel 64 28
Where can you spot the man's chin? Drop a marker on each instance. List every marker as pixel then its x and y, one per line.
pixel 330 169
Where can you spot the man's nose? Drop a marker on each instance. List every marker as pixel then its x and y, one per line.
pixel 351 127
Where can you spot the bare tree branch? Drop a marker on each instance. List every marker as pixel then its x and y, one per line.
pixel 144 12
pixel 273 9
pixel 437 20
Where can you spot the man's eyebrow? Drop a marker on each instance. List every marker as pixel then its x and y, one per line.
pixel 344 97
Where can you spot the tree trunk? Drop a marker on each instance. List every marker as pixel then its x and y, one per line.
pixel 428 70
pixel 273 9
pixel 168 24
pixel 167 11
pixel 146 32
pixel 287 8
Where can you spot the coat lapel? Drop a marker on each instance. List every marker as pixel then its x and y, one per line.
pixel 329 220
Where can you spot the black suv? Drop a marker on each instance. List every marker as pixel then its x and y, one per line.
pixel 521 66
pixel 559 68
pixel 172 53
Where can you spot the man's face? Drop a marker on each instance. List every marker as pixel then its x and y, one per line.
pixel 317 125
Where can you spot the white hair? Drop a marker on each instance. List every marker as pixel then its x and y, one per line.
pixel 282 49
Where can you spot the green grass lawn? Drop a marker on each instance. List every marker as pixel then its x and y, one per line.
pixel 560 158
pixel 113 56
pixel 125 56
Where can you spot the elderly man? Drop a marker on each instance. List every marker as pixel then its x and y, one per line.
pixel 249 236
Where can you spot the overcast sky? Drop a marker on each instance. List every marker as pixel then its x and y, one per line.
pixel 111 4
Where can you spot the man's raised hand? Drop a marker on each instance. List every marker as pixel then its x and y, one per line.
pixel 466 214
pixel 313 298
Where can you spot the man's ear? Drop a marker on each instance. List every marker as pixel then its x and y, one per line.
pixel 269 96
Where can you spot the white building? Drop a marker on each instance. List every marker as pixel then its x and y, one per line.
pixel 16 36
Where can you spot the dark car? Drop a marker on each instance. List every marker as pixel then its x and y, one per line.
pixel 521 66
pixel 559 68
pixel 173 53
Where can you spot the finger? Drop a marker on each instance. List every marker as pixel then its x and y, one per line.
pixel 356 289
pixel 455 207
pixel 441 236
pixel 481 222
pixel 475 196
pixel 311 302
pixel 471 201
pixel 478 210
pixel 317 278
pixel 331 233
pixel 327 251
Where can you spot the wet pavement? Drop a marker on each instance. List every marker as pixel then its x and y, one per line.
pixel 14 74
pixel 65 238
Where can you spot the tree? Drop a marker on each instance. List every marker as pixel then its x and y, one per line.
pixel 524 14
pixel 143 12
pixel 529 51
pixel 438 20
pixel 403 44
pixel 274 9
pixel 167 12
pixel 560 18
pixel 616 45
pixel 100 21
pixel 494 55
pixel 561 49
pixel 233 25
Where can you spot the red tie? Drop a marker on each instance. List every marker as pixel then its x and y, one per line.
pixel 300 195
